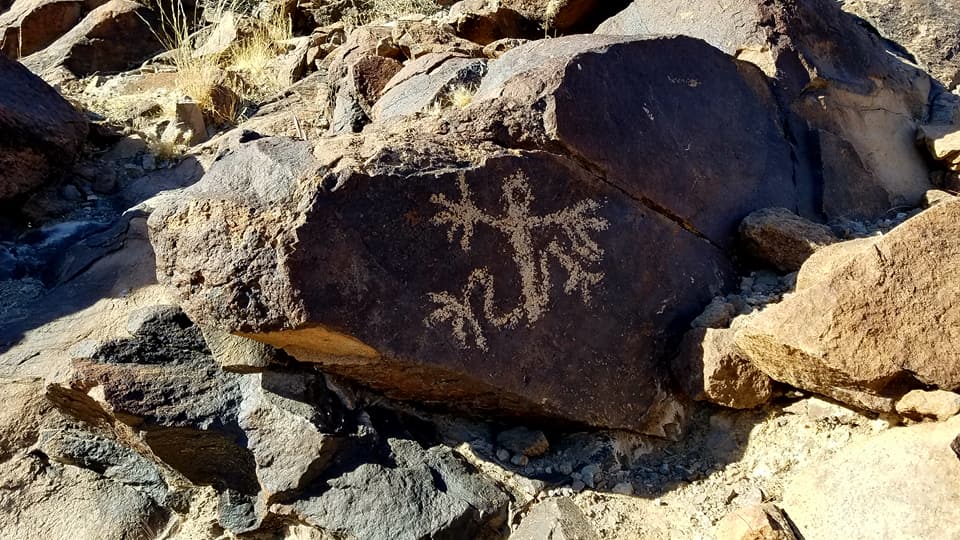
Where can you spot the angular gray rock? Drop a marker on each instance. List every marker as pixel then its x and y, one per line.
pixel 782 239
pixel 557 518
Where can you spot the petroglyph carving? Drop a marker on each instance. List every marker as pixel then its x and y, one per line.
pixel 563 236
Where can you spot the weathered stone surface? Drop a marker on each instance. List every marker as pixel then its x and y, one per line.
pixel 427 81
pixel 239 354
pixel 710 368
pixel 919 404
pixel 448 203
pixel 781 238
pixel 401 500
pixel 889 486
pixel 91 46
pixel 31 25
pixel 21 416
pixel 40 133
pixel 851 107
pixel 877 324
pixel 926 29
pixel 188 126
pixel 592 82
pixel 557 518
pixel 943 143
pixel 756 522
pixel 417 38
pixel 565 16
pixel 49 500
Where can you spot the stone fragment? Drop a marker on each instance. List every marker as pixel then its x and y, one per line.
pixel 521 440
pixel 487 21
pixel 943 143
pixel 710 368
pixel 239 354
pixel 188 127
pixel 935 196
pixel 756 522
pixel 938 404
pixel 782 239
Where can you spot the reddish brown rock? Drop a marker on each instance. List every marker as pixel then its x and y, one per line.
pixel 31 25
pixel 710 368
pixel 756 522
pixel 92 45
pixel 40 133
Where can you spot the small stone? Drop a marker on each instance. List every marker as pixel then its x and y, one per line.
pixel 520 460
pixel 919 404
pixel 503 454
pixel 623 488
pixel 524 441
pixel 149 162
pixel 590 475
pixel 577 486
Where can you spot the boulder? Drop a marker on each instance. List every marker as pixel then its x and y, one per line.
pixel 782 239
pixel 92 47
pixel 565 16
pixel 756 522
pixel 926 30
pixel 889 486
pixel 487 21
pixel 31 25
pixel 850 107
pixel 710 368
pixel 519 267
pixel 881 321
pixel 40 133
pixel 521 440
pixel 557 518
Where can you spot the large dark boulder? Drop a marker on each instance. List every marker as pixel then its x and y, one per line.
pixel 544 275
pixel 40 133
pixel 851 107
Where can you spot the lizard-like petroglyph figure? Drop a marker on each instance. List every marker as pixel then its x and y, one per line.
pixel 564 235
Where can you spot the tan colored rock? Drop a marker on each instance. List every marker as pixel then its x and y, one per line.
pixel 188 126
pixel 238 354
pixel 756 522
pixel 23 407
pixel 826 260
pixel 943 143
pixel 885 314
pixel 487 21
pixel 938 404
pixel 899 484
pixel 781 238
pixel 710 368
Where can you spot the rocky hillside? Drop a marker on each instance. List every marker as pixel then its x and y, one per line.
pixel 487 269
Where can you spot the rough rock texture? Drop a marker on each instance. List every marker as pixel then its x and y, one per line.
pixel 490 327
pixel 486 21
pixel 21 416
pixel 40 133
pixel 710 368
pixel 400 500
pixel 851 108
pixel 524 441
pixel 756 522
pixel 91 46
pixel 920 404
pixel 781 238
pixel 890 486
pixel 876 324
pixel 557 518
pixel 943 143
pixel 31 25
pixel 927 29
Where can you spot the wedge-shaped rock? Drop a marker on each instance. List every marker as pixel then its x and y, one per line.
pixel 883 320
pixel 427 262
